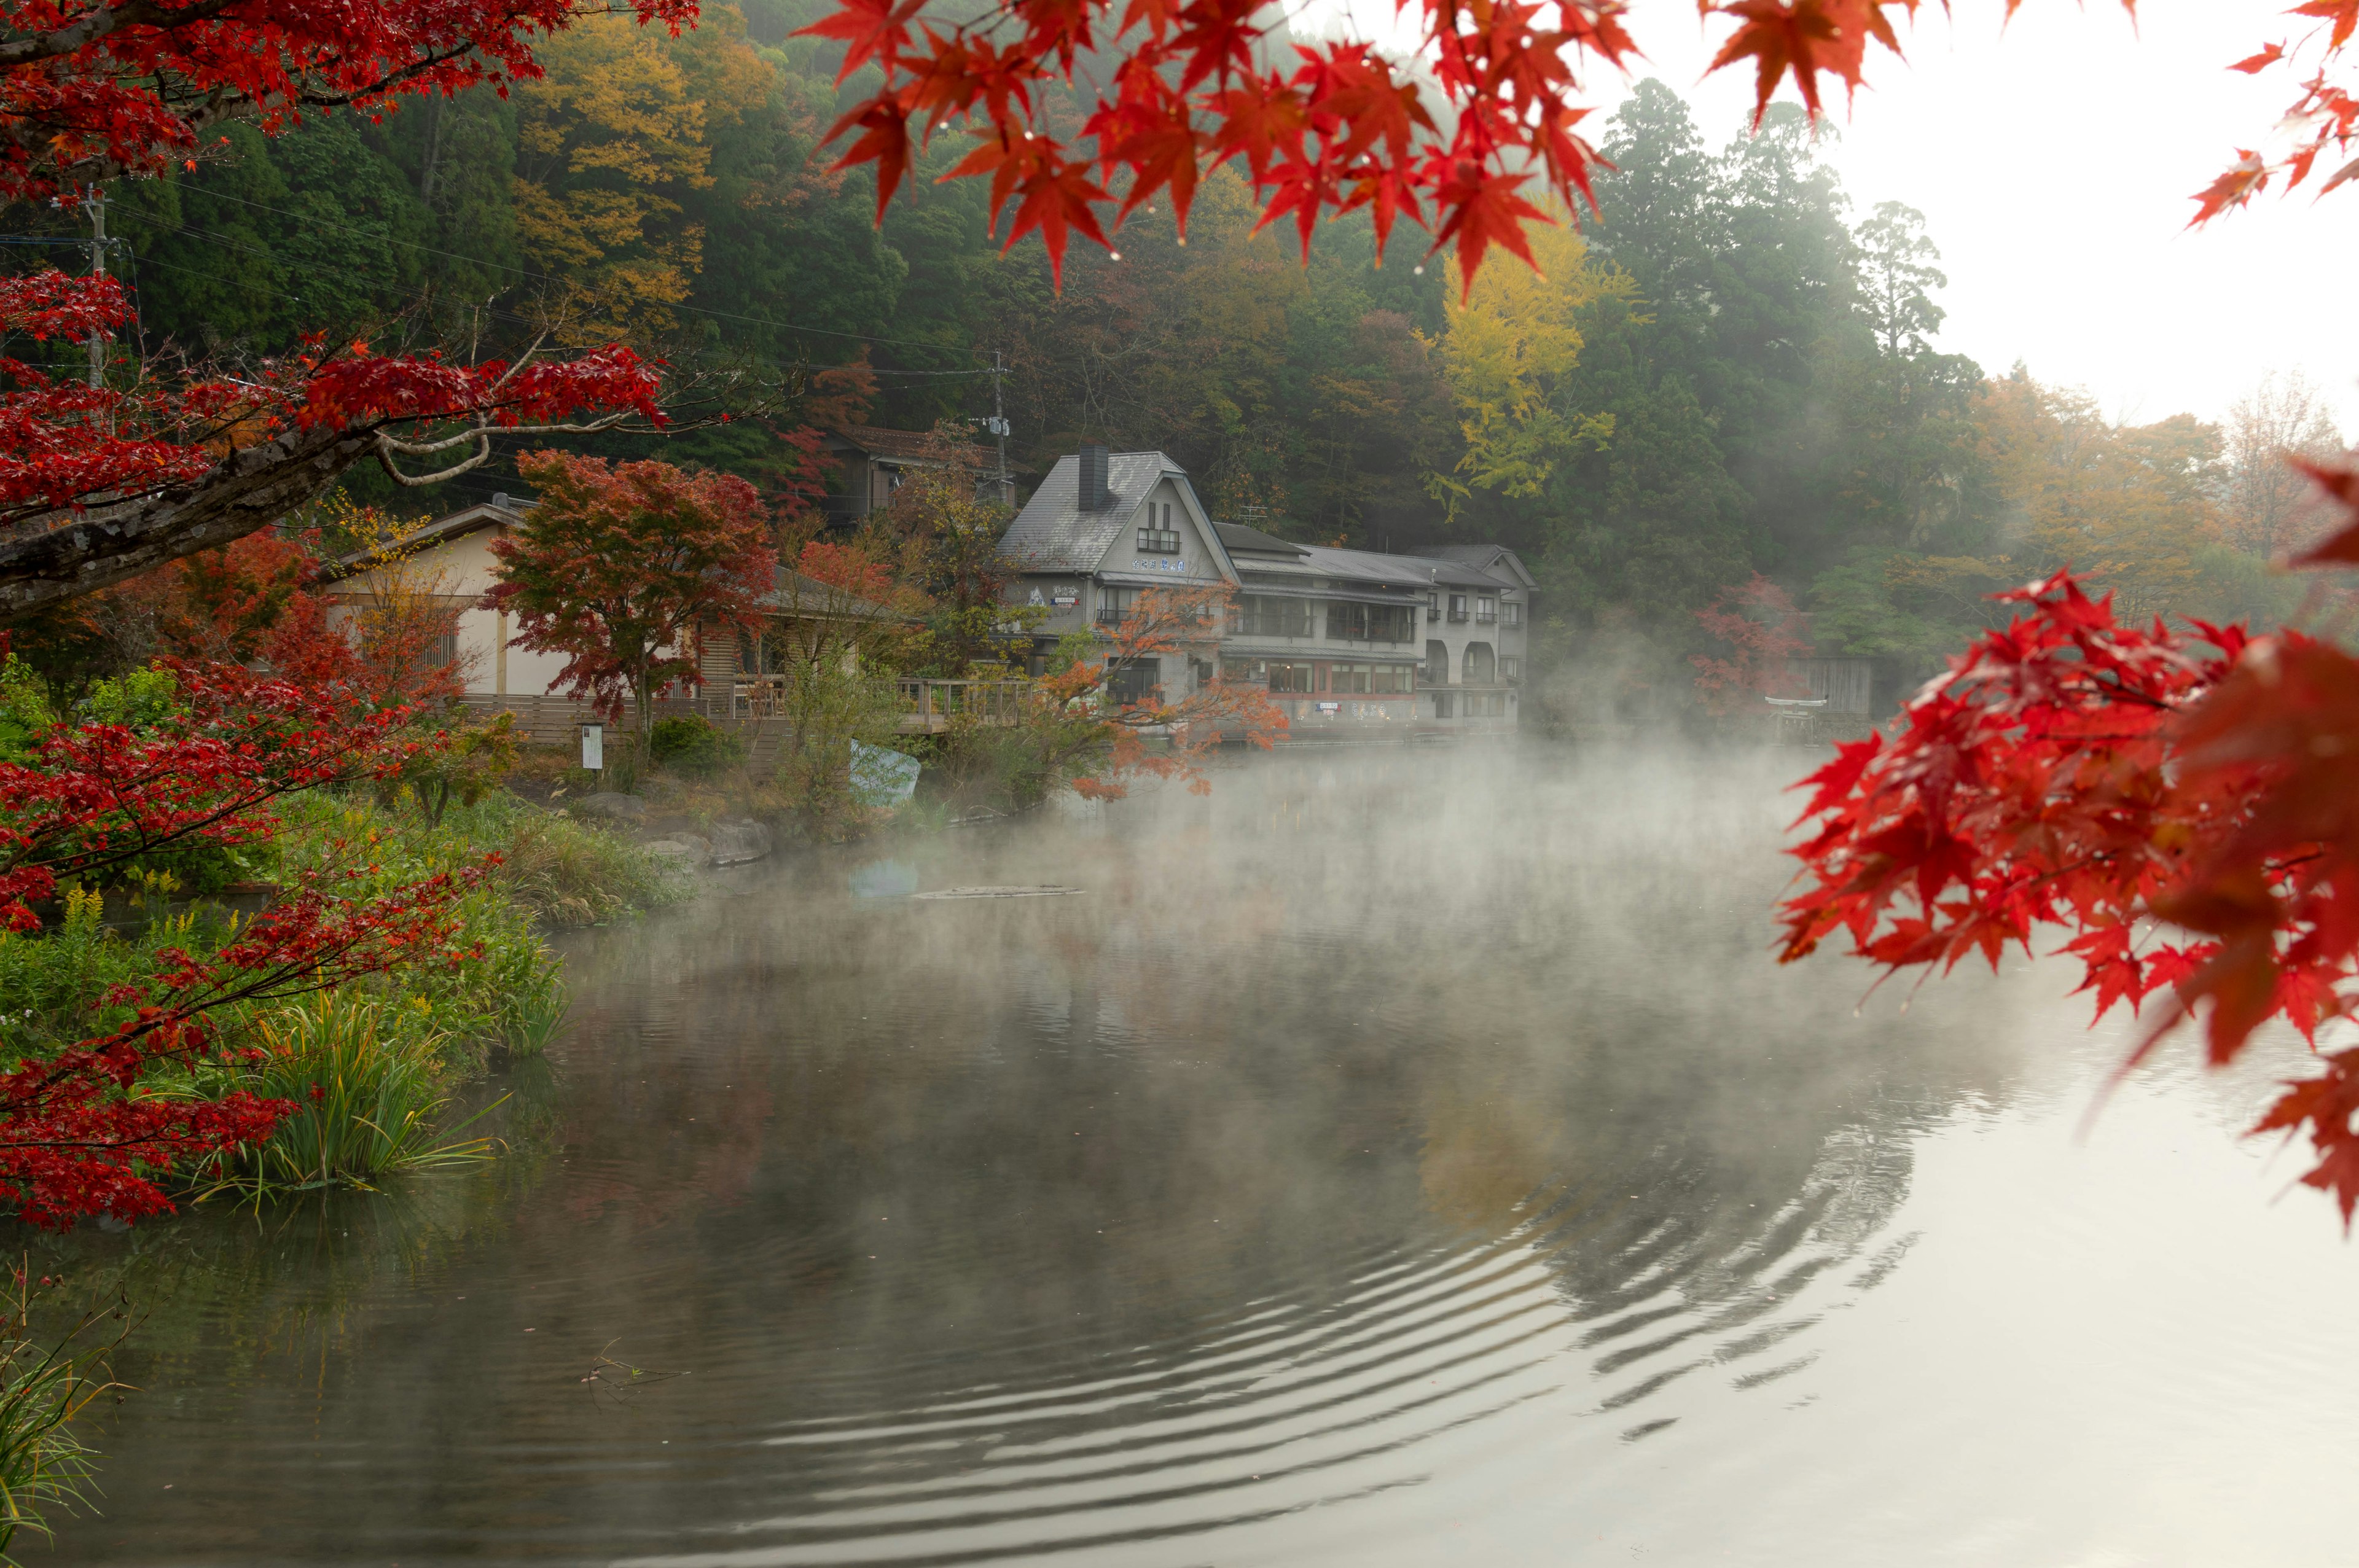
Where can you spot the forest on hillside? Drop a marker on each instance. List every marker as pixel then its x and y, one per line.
pixel 1728 370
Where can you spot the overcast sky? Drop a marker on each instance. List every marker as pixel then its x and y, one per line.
pixel 2054 163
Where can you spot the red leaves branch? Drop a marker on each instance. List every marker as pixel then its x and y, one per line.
pixel 79 1133
pixel 2116 782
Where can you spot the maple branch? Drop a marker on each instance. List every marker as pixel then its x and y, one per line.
pixel 94 25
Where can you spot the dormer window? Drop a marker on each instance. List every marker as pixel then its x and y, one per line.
pixel 1156 536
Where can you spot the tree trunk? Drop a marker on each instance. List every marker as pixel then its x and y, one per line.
pixel 643 702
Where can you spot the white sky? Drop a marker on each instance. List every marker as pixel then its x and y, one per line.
pixel 2054 163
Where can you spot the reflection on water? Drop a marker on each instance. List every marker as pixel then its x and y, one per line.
pixel 1393 1159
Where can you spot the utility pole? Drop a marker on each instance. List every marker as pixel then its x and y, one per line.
pixel 999 428
pixel 96 202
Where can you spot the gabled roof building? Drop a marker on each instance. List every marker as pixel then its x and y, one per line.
pixel 1350 644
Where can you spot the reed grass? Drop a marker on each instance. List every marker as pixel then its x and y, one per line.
pixel 365 1097
pixel 45 1382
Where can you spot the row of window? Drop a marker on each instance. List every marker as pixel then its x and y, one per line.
pixel 1373 679
pixel 1266 615
pixel 1487 608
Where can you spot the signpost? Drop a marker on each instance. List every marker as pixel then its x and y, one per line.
pixel 594 750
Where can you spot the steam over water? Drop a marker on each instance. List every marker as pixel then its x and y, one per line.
pixel 1394 1159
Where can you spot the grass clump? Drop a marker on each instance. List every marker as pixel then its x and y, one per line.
pixel 45 1382
pixel 367 1086
pixel 568 873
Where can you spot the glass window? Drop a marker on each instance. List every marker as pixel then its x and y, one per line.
pixel 1346 622
pixel 1511 611
pixel 1351 680
pixel 1392 678
pixel 1290 674
pixel 1259 615
pixel 1244 669
pixel 1511 668
pixel 1458 606
pixel 1487 608
pixel 1115 605
pixel 1433 605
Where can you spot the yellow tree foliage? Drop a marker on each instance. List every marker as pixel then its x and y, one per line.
pixel 610 141
pixel 2128 507
pixel 1510 348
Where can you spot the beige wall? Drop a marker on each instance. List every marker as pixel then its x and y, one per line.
pixel 464 566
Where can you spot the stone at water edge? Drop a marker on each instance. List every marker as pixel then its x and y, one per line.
pixel 689 851
pixel 613 806
pixel 735 843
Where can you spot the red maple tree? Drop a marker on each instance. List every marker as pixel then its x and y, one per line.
pixel 78 1135
pixel 99 483
pixel 1762 629
pixel 620 567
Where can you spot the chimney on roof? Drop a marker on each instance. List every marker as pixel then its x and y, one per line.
pixel 1094 495
pixel 500 499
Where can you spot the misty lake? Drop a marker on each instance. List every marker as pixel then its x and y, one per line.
pixel 1396 1158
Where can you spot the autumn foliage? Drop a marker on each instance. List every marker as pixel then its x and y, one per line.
pixel 178 463
pixel 1760 628
pixel 623 566
pixel 1115 728
pixel 79 1134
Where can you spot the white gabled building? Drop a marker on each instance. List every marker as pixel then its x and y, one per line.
pixel 1349 643
pixel 1102 528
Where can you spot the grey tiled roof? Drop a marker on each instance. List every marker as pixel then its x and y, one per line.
pixel 797 595
pixel 1236 536
pixel 1053 534
pixel 1495 562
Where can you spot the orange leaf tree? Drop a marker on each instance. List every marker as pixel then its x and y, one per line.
pixel 1158 733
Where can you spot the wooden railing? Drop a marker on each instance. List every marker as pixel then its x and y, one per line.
pixel 934 703
pixel 926 704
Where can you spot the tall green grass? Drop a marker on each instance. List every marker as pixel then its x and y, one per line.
pixel 45 1382
pixel 366 1092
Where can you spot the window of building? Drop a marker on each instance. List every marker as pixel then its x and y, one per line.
pixel 1259 615
pixel 1393 678
pixel 1458 606
pixel 1478 668
pixel 1511 668
pixel 442 652
pixel 1392 623
pixel 1134 682
pixel 1351 680
pixel 1290 674
pixel 1242 670
pixel 1115 605
pixel 1433 605
pixel 1444 704
pixel 1156 537
pixel 1511 613
pixel 1346 622
pixel 1487 608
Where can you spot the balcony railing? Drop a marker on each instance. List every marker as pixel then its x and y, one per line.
pixel 1486 617
pixel 926 704
pixel 1457 617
